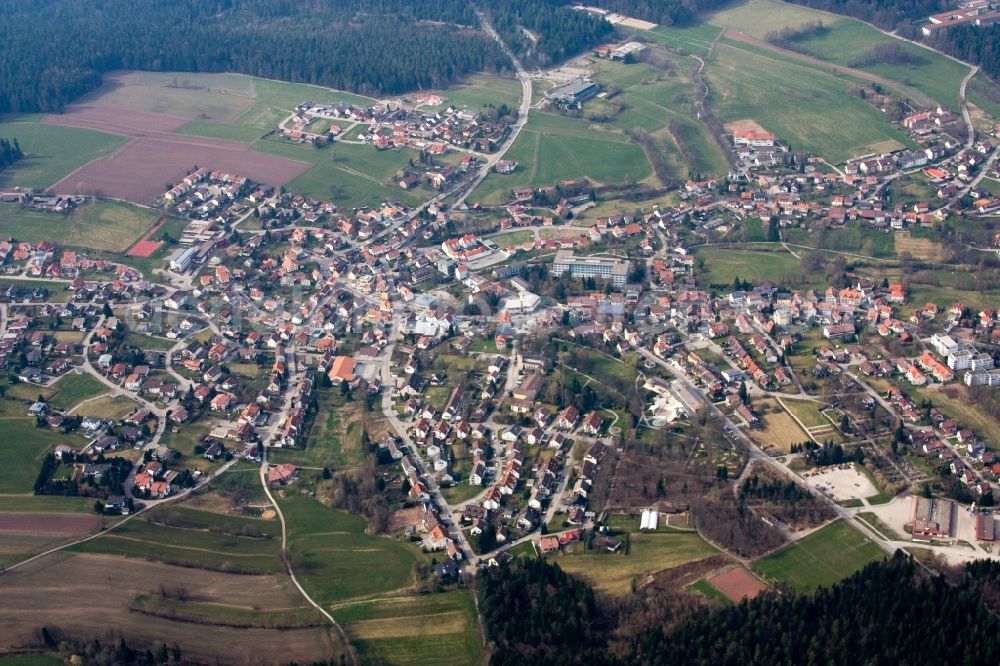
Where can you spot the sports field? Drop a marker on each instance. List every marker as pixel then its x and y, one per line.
pixel 821 559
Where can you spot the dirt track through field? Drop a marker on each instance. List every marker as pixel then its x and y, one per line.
pixel 831 67
pixel 49 523
pixel 140 170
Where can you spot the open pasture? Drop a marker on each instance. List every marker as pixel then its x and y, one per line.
pixel 554 148
pixel 334 558
pixel 404 630
pixel 97 225
pixel 613 573
pixel 810 109
pixel 50 152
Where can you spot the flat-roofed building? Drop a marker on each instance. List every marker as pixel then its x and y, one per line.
pixel 604 268
pixel 932 518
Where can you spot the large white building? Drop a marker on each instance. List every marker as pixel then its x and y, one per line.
pixel 969 359
pixel 983 378
pixel 603 268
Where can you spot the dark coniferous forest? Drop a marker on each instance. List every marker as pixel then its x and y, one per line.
pixel 886 614
pixel 10 152
pixel 53 51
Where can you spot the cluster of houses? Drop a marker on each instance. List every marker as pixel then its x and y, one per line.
pixel 432 131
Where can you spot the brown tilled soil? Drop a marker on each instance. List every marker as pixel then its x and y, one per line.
pixel 140 170
pixel 88 596
pixel 49 523
pixel 737 584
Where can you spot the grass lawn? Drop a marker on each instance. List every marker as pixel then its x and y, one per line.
pixel 45 504
pixel 185 439
pixel 695 39
pixel 806 107
pixel 821 559
pixel 336 561
pixel 150 342
pixel 51 151
pixel 96 225
pixel 807 412
pixel 613 573
pixel 428 629
pixel 193 546
pixel 72 388
pixel 723 265
pixel 481 90
pixel 335 438
pixel 22 448
pixel 109 407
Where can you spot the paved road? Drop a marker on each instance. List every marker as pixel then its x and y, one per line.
pixel 522 114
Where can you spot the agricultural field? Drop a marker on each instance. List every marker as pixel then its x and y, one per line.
pixel 820 559
pixel 45 504
pixel 846 42
pixel 206 613
pixel 97 225
pixel 200 544
pixel 269 103
pixel 613 573
pixel 438 628
pixel 71 389
pixel 806 107
pixel 51 153
pixel 552 148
